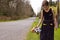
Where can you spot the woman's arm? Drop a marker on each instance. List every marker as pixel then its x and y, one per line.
pixel 41 19
pixel 55 20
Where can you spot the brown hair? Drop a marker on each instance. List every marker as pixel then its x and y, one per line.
pixel 45 3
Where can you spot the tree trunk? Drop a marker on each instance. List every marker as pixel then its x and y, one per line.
pixel 50 2
pixel 58 11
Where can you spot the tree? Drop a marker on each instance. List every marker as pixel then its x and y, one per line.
pixel 50 2
pixel 58 10
pixel 15 9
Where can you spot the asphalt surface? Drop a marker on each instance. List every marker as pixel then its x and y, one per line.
pixel 15 30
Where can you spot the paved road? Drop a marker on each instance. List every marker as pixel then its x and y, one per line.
pixel 15 30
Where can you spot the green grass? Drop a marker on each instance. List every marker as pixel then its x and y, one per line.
pixel 6 20
pixel 13 20
pixel 34 36
pixel 57 34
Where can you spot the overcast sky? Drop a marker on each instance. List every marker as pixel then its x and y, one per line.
pixel 36 5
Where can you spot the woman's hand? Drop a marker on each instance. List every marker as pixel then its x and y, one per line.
pixel 33 29
pixel 56 26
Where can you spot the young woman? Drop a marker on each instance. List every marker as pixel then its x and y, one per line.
pixel 48 20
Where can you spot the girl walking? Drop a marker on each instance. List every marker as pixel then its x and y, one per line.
pixel 48 20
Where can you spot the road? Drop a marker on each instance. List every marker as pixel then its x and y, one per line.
pixel 15 30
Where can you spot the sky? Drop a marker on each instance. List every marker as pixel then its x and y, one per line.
pixel 36 5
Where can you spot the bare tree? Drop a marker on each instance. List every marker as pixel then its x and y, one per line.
pixel 15 9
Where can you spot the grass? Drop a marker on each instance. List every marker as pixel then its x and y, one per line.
pixel 57 34
pixel 13 20
pixel 34 36
pixel 6 20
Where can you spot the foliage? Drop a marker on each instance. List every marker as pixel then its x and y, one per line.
pixel 54 9
pixel 15 9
